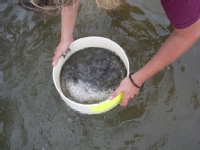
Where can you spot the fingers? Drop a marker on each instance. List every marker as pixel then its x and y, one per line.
pixel 125 101
pixel 55 60
pixel 56 57
pixel 59 51
pixel 61 48
pixel 129 91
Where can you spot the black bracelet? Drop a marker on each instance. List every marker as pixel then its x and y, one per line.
pixel 133 81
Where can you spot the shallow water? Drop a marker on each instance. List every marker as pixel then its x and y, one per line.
pixel 165 115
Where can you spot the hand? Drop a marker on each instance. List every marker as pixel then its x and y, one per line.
pixel 61 48
pixel 128 89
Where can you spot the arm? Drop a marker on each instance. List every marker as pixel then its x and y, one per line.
pixel 68 19
pixel 177 43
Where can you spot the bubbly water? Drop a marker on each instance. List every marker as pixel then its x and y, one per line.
pixel 91 74
pixel 85 92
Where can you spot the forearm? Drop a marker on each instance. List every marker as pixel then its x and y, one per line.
pixel 177 43
pixel 68 19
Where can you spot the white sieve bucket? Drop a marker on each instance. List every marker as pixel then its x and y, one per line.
pixel 86 43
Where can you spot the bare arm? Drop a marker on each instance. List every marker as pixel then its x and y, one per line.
pixel 68 19
pixel 177 43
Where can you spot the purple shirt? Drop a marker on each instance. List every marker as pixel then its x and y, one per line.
pixel 182 13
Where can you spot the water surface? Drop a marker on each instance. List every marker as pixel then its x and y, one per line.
pixel 165 115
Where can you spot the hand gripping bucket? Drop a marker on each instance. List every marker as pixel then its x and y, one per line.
pixel 76 46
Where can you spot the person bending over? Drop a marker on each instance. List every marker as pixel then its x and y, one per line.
pixel 183 15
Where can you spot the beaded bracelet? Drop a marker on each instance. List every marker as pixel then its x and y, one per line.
pixel 133 81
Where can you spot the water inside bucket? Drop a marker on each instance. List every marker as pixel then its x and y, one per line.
pixel 91 74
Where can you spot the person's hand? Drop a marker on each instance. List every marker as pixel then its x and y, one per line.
pixel 128 89
pixel 61 48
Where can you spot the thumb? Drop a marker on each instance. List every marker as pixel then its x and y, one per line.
pixel 114 94
pixel 56 58
pixel 55 61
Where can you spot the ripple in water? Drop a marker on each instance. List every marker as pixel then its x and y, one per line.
pixel 91 74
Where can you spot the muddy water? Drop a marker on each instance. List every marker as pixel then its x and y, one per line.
pixel 165 115
pixel 91 74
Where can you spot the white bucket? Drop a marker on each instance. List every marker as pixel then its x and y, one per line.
pixel 76 46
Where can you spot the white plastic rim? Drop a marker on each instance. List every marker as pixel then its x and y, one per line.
pixel 80 44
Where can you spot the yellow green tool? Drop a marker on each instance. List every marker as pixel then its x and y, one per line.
pixel 106 105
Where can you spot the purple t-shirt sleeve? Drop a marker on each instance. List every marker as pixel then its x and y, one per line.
pixel 182 13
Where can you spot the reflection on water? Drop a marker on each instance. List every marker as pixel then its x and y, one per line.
pixel 165 115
